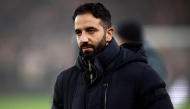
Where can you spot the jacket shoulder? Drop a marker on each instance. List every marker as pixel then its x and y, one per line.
pixel 61 87
pixel 134 70
pixel 152 90
pixel 151 80
pixel 66 73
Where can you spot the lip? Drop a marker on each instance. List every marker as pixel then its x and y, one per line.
pixel 87 48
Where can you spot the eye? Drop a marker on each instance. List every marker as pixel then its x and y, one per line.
pixel 78 33
pixel 91 31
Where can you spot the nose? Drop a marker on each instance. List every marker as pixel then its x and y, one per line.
pixel 84 38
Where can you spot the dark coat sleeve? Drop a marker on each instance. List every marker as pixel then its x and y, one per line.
pixel 57 97
pixel 153 94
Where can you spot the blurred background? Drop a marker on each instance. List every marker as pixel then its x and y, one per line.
pixel 37 42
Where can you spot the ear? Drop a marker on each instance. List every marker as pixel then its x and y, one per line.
pixel 109 34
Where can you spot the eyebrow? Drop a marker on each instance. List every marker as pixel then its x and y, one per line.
pixel 77 30
pixel 88 28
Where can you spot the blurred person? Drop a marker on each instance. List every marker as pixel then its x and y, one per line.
pixel 132 31
pixel 107 76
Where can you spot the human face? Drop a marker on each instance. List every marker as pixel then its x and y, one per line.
pixel 91 36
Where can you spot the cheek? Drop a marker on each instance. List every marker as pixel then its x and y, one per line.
pixel 97 41
pixel 99 37
pixel 78 41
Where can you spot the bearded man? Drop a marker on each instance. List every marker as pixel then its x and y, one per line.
pixel 107 76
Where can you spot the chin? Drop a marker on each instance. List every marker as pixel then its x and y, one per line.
pixel 88 55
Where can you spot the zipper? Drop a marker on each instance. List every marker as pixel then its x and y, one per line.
pixel 105 97
pixel 91 67
pixel 91 75
pixel 90 71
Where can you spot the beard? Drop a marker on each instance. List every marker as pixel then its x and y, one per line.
pixel 96 49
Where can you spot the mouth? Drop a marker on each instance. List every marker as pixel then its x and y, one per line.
pixel 87 48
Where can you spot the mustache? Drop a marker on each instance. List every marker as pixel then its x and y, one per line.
pixel 87 45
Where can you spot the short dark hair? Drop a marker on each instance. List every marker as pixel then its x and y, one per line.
pixel 130 30
pixel 97 10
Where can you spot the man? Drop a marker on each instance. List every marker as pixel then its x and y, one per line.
pixel 132 31
pixel 107 76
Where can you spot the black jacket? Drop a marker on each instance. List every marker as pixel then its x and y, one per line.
pixel 123 80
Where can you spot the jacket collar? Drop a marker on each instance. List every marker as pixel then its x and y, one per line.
pixel 109 54
pixel 130 52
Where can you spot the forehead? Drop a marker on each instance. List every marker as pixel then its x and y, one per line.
pixel 86 20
